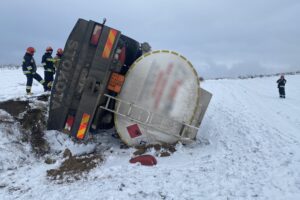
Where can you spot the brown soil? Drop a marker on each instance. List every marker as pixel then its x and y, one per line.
pixel 74 167
pixel 32 121
pixel 162 150
pixel 34 124
pixel 14 107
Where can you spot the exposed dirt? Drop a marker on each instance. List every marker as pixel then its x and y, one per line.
pixel 74 167
pixel 32 121
pixel 161 150
pixel 14 107
pixel 30 115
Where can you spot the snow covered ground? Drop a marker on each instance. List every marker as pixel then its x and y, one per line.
pixel 248 147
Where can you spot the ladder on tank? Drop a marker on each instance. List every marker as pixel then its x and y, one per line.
pixel 142 116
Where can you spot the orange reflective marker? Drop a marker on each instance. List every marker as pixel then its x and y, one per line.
pixel 109 43
pixel 83 126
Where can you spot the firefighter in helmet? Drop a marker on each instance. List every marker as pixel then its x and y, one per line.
pixel 48 64
pixel 58 56
pixel 281 86
pixel 29 70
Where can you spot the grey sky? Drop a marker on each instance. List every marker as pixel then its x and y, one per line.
pixel 220 38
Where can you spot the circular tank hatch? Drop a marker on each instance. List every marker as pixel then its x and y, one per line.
pixel 160 93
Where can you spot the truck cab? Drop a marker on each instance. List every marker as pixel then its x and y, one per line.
pixel 96 58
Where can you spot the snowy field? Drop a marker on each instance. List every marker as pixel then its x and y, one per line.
pixel 248 147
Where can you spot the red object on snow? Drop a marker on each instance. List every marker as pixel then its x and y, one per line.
pixel 147 160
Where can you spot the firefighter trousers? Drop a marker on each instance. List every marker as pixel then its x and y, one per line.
pixel 30 78
pixel 49 79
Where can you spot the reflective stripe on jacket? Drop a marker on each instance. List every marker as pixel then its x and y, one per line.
pixel 48 62
pixel 28 65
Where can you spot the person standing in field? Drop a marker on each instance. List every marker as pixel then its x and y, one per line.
pixel 281 86
pixel 49 70
pixel 29 70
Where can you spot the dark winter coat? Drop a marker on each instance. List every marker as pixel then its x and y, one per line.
pixel 281 83
pixel 48 62
pixel 28 65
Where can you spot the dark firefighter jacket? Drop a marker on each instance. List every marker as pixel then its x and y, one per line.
pixel 281 82
pixel 48 62
pixel 28 65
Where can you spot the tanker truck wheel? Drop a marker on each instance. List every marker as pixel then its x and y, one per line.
pixel 106 121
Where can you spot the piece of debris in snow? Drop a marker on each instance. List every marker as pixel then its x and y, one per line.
pixel 147 160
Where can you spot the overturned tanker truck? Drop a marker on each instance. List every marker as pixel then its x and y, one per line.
pixel 106 79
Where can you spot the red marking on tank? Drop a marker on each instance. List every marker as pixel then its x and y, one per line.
pixel 134 131
pixel 170 67
pixel 157 82
pixel 174 89
pixel 162 85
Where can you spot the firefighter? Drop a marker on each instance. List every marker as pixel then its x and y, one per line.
pixel 49 70
pixel 58 56
pixel 281 84
pixel 29 69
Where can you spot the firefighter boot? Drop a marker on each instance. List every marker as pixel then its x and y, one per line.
pixel 28 90
pixel 46 88
pixel 49 85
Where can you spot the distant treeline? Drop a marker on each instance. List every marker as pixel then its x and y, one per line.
pixel 12 66
pixel 253 76
pixel 268 75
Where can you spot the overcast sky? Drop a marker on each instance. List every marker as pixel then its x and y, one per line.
pixel 220 37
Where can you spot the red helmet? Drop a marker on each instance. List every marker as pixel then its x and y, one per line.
pixel 30 50
pixel 49 49
pixel 60 51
